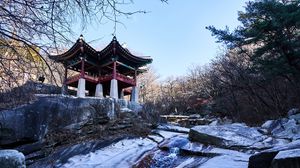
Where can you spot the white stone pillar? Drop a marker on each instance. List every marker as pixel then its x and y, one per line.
pixel 99 90
pixel 135 94
pixel 81 88
pixel 122 94
pixel 114 89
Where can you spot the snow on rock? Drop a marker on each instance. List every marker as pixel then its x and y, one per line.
pixel 173 128
pixel 226 161
pixel 186 163
pixel 12 159
pixel 177 141
pixel 121 154
pixel 293 111
pixel 264 158
pixel 167 134
pixel 284 128
pixel 214 123
pixel 288 154
pixel 270 125
pixel 288 130
pixel 231 135
pixel 288 158
pixel 197 154
pixel 125 109
pixel 155 138
pixel 296 117
pixel 194 147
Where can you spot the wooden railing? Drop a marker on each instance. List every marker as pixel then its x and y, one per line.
pixel 91 78
pixel 73 79
pixel 125 79
pixel 105 78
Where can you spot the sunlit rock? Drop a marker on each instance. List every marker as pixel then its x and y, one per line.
pixel 228 136
pixel 287 158
pixel 30 122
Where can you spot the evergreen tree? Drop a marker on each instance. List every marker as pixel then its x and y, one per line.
pixel 272 28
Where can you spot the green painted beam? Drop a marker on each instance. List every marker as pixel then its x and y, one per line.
pixel 127 66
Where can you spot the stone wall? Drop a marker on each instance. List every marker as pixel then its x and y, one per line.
pixel 30 122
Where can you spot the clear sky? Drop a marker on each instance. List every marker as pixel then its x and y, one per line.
pixel 173 34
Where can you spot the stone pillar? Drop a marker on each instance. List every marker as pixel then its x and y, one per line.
pixel 135 94
pixel 122 94
pixel 99 90
pixel 81 88
pixel 114 89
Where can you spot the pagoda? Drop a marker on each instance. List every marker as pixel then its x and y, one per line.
pixel 110 72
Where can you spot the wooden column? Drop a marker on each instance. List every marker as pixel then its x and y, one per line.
pixel 66 75
pixel 114 70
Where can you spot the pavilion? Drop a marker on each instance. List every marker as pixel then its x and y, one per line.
pixel 110 72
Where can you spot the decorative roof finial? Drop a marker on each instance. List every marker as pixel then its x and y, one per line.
pixel 114 38
pixel 81 43
pixel 81 37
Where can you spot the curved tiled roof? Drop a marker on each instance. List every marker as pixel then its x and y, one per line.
pixel 112 51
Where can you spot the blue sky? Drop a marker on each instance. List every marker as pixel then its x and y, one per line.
pixel 173 34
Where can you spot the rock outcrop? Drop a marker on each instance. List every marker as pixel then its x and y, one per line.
pixel 11 159
pixel 178 151
pixel 30 122
pixel 61 155
pixel 265 158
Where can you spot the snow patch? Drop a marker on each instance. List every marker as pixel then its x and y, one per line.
pixel 288 154
pixel 121 154
pixel 173 128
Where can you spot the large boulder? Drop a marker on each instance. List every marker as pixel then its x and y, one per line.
pixel 11 159
pixel 30 122
pixel 264 158
pixel 228 136
pixel 294 114
pixel 293 111
pixel 270 125
pixel 296 117
pixel 288 158
pixel 287 130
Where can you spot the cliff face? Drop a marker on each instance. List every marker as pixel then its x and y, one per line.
pixel 30 122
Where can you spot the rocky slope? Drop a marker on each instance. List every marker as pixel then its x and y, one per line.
pixel 276 143
pixel 71 132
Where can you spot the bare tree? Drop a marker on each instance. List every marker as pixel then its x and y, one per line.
pixel 40 26
pixel 149 85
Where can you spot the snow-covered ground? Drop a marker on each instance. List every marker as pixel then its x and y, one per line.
pixel 121 154
pixel 128 152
